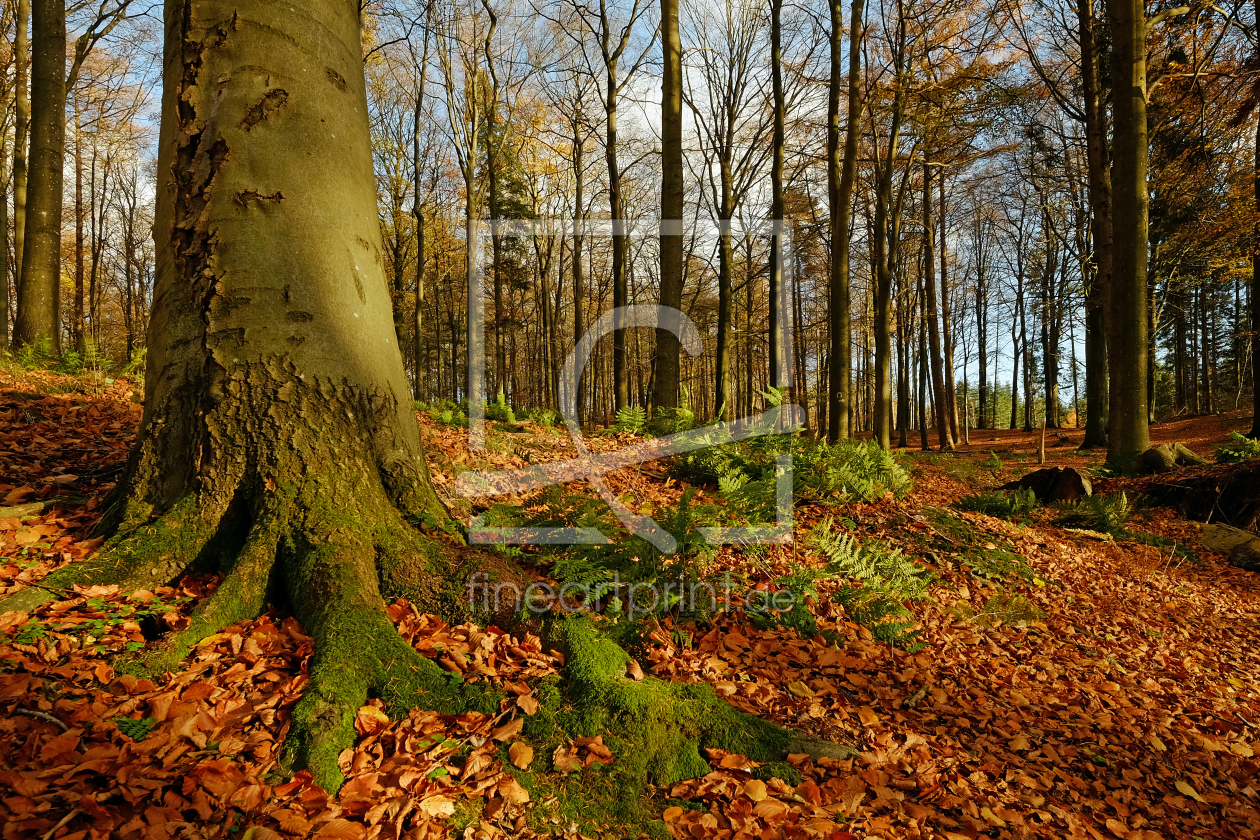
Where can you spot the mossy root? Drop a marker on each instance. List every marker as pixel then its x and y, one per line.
pixel 358 653
pixel 664 725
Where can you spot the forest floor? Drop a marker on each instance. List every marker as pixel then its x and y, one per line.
pixel 1108 689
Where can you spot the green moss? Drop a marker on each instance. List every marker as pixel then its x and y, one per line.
pixel 143 556
pixel 778 770
pixel 243 594
pixel 663 725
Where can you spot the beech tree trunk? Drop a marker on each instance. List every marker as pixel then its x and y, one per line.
pixel 1255 290
pixel 775 281
pixel 39 286
pixel 841 174
pixel 932 314
pixel 1097 289
pixel 666 375
pixel 1127 307
pixel 21 126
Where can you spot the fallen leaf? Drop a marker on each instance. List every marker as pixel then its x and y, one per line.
pixel 1189 791
pixel 521 754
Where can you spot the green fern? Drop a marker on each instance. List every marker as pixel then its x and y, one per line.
pixel 999 504
pixel 500 411
pixel 632 419
pixel 136 730
pixel 993 462
pixel 1106 514
pixel 1240 448
pixel 886 580
pixel 1002 608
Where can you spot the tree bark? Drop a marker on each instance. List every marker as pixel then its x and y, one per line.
pixel 4 246
pixel 666 373
pixel 21 127
pixel 1255 289
pixel 841 174
pixel 77 322
pixel 947 329
pixel 777 142
pixel 932 315
pixel 1097 290
pixel 1128 327
pixel 39 288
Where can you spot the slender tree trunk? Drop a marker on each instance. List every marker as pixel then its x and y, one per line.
pixel 417 213
pixel 579 291
pixel 932 315
pixel 777 141
pixel 1127 313
pixel 39 289
pixel 1015 357
pixel 1097 289
pixel 947 329
pixel 726 257
pixel 620 241
pixel 922 395
pixel 1255 290
pixel 666 372
pixel 982 347
pixel 77 322
pixel 1209 363
pixel 841 174
pixel 21 127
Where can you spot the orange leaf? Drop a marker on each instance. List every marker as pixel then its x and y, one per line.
pixel 521 754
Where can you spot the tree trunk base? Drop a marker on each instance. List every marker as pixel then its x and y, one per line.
pixel 330 560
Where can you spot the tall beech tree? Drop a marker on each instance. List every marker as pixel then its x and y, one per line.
pixel 1128 325
pixel 667 369
pixel 279 444
pixel 841 174
pixel 21 123
pixel 39 284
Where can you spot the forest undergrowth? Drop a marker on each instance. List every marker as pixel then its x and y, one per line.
pixel 999 669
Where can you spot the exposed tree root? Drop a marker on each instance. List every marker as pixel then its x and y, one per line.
pixel 145 556
pixel 665 724
pixel 335 559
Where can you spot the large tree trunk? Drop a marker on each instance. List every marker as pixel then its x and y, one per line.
pixel 841 173
pixel 4 249
pixel 1255 290
pixel 1127 315
pixel 39 287
pixel 666 375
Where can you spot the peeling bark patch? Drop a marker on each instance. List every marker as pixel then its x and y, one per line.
pixel 271 102
pixel 221 31
pixel 243 197
pixel 297 316
pixel 337 79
